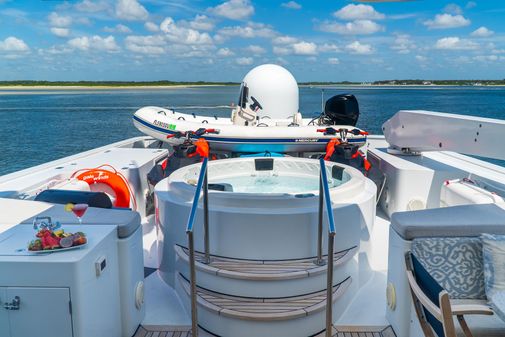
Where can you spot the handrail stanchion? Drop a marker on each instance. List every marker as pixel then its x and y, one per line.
pixel 192 276
pixel 319 260
pixel 191 246
pixel 331 237
pixel 329 286
pixel 206 218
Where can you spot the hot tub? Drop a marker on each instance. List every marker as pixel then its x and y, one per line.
pixel 262 208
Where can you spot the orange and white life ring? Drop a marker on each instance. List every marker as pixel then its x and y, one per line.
pixel 112 178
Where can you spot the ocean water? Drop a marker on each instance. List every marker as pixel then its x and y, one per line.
pixel 40 126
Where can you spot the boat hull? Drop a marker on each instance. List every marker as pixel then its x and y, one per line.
pixel 160 123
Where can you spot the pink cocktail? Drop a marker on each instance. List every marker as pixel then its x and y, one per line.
pixel 79 210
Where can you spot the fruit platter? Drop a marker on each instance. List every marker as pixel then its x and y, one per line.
pixel 51 237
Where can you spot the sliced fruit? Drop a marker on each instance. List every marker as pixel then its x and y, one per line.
pixel 67 242
pixel 69 207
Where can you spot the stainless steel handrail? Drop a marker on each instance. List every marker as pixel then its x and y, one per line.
pixel 202 180
pixel 326 189
pixel 194 206
pixel 331 236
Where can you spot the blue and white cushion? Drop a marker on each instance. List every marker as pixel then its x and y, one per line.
pixel 455 263
pixel 497 302
pixel 493 249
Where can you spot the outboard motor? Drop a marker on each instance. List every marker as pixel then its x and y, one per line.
pixel 340 110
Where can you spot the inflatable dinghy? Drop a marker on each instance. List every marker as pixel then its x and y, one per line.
pixel 265 119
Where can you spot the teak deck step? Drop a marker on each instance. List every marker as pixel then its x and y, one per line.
pixel 263 269
pixel 336 332
pixel 264 309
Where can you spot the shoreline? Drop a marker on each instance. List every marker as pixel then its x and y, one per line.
pixel 58 89
pixel 104 87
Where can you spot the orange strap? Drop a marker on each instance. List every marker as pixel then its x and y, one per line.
pixel 330 148
pixel 366 164
pixel 202 148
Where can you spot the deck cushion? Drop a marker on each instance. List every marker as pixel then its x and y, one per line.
pixel 494 263
pixel 455 263
pixel 497 302
pixel 465 220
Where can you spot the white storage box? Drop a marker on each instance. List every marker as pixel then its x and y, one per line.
pixel 71 293
pixel 130 256
pixel 464 192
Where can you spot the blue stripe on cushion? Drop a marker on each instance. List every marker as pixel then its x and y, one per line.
pixel 431 289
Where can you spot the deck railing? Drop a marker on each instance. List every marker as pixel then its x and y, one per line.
pixel 202 183
pixel 324 200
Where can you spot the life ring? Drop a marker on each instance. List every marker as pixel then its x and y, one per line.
pixel 115 180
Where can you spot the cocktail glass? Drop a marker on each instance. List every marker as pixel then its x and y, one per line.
pixel 79 210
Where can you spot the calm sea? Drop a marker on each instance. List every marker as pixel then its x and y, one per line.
pixel 40 126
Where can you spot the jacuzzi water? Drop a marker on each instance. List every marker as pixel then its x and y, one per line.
pixel 274 184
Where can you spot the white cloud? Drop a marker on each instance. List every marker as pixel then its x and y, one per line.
pixel 291 46
pixel 455 43
pixel 358 12
pixel 255 49
pixel 95 42
pixel 482 32
pixel 443 21
pixel 452 8
pixel 150 45
pixel 13 44
pixel 284 40
pixel 358 27
pixel 91 6
pixel 333 60
pixel 281 50
pixel 359 48
pixel 175 33
pixel 328 47
pixel 225 52
pixel 403 44
pixel 119 28
pixel 421 58
pixel 234 9
pixel 305 48
pixel 488 58
pixel 244 61
pixel 252 30
pixel 56 20
pixel 202 22
pixel 151 26
pixel 60 32
pixel 291 5
pixel 55 50
pixel 130 10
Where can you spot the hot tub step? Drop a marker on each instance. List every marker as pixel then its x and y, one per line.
pixel 223 314
pixel 263 270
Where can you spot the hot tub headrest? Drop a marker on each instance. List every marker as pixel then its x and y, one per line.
pixel 127 221
pixel 464 220
pixel 93 199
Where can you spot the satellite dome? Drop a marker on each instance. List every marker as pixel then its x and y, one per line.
pixel 268 90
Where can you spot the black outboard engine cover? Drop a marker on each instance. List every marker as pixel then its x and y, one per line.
pixel 341 110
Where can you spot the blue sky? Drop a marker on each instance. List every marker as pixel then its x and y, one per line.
pixel 317 40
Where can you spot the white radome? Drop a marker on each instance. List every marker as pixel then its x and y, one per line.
pixel 276 90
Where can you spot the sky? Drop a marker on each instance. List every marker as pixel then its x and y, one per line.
pixel 216 40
